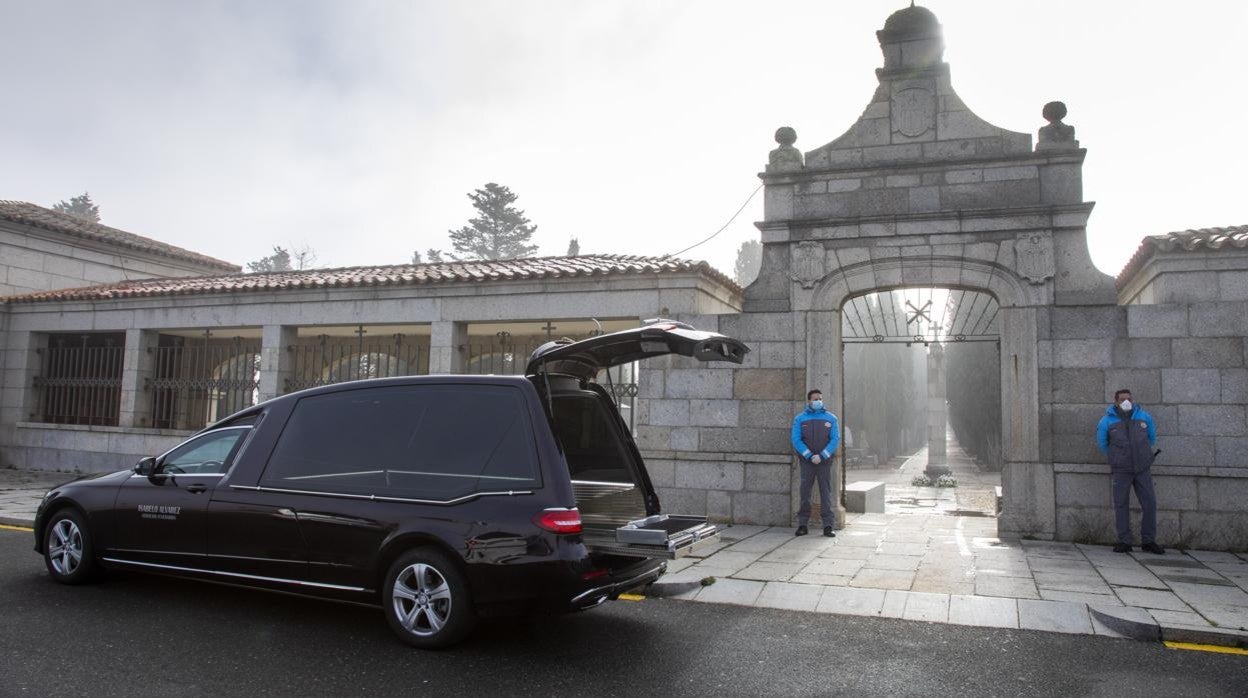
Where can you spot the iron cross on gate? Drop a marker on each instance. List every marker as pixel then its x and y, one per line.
pixel 919 313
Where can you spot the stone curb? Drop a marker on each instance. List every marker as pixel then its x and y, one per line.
pixel 1204 636
pixel 1155 632
pixel 661 589
pixel 15 521
pixel 1133 629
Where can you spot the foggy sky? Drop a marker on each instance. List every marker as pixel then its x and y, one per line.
pixel 637 127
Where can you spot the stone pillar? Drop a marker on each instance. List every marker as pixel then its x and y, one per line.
pixel 18 400
pixel 937 419
pixel 276 359
pixel 824 370
pixel 138 364
pixel 448 347
pixel 1027 484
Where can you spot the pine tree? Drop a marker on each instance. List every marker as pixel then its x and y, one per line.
pixel 416 258
pixel 79 207
pixel 574 248
pixel 499 231
pixel 749 261
pixel 278 261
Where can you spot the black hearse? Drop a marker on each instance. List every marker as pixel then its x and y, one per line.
pixel 437 497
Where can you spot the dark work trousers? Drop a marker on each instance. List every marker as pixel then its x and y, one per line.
pixel 1143 484
pixel 827 508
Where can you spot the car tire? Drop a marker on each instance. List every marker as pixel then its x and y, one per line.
pixel 68 549
pixel 426 600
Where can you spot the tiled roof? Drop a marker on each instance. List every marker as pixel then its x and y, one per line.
pixel 40 217
pixel 396 275
pixel 1232 237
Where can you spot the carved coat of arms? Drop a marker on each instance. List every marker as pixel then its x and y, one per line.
pixel 1034 257
pixel 808 263
pixel 914 111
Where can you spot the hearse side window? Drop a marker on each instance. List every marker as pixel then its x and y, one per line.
pixel 591 443
pixel 417 442
pixel 206 454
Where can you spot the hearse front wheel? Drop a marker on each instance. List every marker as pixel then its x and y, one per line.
pixel 426 600
pixel 67 549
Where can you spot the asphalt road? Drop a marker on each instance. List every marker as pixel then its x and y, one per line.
pixel 139 635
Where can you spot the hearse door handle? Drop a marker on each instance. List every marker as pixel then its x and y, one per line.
pixel 196 488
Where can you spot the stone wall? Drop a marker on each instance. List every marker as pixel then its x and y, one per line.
pixel 715 436
pixel 1188 276
pixel 447 308
pixel 38 260
pixel 72 448
pixel 1187 364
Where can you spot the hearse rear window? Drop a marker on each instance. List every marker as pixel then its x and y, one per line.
pixel 418 442
pixel 590 439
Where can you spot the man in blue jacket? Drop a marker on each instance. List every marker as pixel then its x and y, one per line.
pixel 815 437
pixel 1126 435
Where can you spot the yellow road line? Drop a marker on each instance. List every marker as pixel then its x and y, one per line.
pixel 632 597
pixel 7 527
pixel 1205 648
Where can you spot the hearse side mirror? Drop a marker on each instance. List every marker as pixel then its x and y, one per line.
pixel 146 466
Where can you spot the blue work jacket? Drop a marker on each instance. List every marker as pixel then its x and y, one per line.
pixel 1128 445
pixel 815 432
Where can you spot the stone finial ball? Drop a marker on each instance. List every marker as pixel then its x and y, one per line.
pixel 785 135
pixel 1054 111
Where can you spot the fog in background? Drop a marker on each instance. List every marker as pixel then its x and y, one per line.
pixel 886 361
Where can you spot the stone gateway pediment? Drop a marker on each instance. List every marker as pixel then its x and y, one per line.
pixel 915 114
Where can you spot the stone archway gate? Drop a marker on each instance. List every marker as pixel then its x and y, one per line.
pixel 919 192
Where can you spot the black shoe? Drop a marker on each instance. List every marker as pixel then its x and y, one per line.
pixel 801 531
pixel 1153 548
pixel 828 532
pixel 1122 548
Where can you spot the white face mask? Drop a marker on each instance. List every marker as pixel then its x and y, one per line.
pixel 817 405
pixel 1126 405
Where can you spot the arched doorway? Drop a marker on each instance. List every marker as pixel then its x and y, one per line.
pixel 1026 481
pixel 922 401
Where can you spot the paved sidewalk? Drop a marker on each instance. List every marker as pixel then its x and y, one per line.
pixel 22 490
pixel 952 569
pixel 975 493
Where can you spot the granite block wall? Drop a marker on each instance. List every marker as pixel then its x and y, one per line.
pixel 715 436
pixel 1186 364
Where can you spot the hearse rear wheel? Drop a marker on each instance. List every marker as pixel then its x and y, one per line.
pixel 426 600
pixel 67 548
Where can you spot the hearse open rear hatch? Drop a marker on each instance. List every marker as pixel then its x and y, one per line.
pixel 611 496
pixel 584 359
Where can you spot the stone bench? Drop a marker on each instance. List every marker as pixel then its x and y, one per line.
pixel 865 497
